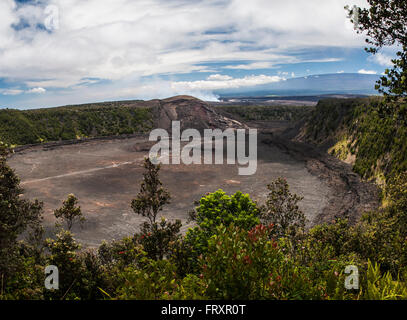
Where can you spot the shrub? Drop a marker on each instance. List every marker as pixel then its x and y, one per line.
pixel 63 254
pixel 242 264
pixel 281 209
pixel 383 287
pixel 217 209
pixel 70 212
pixel 156 238
pixel 156 280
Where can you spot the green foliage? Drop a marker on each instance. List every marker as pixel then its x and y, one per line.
pixel 63 254
pixel 152 196
pixel 183 254
pixel 335 235
pixel 281 209
pixel 191 287
pixel 72 122
pixel 70 211
pixel 379 236
pixel 121 253
pixel 18 217
pixel 384 22
pixel 250 113
pixel 396 190
pixel 16 214
pixel 92 276
pixel 217 209
pixel 245 265
pixel 375 131
pixel 156 280
pixel 157 238
pixel 383 287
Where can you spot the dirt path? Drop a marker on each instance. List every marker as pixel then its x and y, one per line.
pixel 75 173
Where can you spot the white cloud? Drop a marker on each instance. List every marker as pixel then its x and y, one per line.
pixel 219 77
pixel 37 90
pixel 341 71
pixel 323 60
pixel 129 39
pixel 207 70
pixel 250 66
pixel 382 59
pixel 286 74
pixel 11 92
pixel 15 92
pixel 363 71
pixel 209 85
pixel 7 18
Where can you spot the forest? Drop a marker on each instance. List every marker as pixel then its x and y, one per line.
pixel 22 127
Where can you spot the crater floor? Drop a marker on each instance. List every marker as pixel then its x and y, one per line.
pixel 106 176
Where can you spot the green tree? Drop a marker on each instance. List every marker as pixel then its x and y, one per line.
pixel 70 211
pixel 213 210
pixel 17 216
pixel 396 190
pixel 152 196
pixel 63 254
pixel 219 208
pixel 158 237
pixel 155 237
pixel 281 209
pixel 385 23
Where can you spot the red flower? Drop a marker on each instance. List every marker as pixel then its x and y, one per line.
pixel 121 252
pixel 247 259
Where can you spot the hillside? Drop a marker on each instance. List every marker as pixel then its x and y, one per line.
pixel 361 132
pixel 73 122
pixel 265 112
pixel 21 127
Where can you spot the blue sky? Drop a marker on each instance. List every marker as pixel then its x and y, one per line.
pixel 58 52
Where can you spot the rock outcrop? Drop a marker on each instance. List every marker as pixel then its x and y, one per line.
pixel 192 113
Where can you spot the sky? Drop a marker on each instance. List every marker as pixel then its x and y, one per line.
pixel 59 52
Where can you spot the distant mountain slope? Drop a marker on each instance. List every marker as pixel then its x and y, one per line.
pixel 338 83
